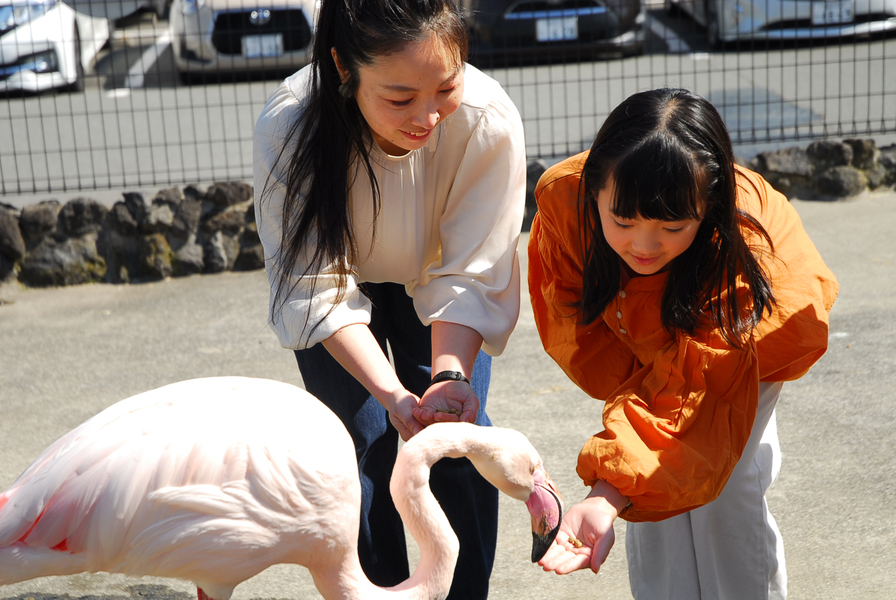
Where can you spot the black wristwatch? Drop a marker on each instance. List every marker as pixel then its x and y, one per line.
pixel 448 376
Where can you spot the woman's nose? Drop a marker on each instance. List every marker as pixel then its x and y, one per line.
pixel 428 117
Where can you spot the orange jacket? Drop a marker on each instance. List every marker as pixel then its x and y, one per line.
pixel 678 410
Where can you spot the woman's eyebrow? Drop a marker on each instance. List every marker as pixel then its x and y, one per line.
pixel 405 88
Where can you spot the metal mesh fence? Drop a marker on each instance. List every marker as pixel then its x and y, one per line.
pixel 171 98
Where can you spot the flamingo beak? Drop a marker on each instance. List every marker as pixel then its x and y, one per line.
pixel 546 509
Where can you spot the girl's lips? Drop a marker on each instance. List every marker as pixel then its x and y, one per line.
pixel 644 261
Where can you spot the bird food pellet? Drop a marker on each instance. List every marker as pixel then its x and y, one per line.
pixel 452 411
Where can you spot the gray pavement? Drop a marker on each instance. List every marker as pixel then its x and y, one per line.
pixel 67 353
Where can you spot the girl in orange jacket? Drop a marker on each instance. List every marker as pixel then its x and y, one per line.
pixel 682 290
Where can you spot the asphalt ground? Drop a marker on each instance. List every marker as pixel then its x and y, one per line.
pixel 67 353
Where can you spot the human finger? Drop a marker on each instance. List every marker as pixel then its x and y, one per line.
pixel 573 561
pixel 406 430
pixel 552 557
pixel 563 560
pixel 601 550
pixel 424 415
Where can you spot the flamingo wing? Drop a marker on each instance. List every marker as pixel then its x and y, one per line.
pixel 210 480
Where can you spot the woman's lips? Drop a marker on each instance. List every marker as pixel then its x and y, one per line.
pixel 417 135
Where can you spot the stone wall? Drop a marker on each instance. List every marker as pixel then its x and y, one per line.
pixel 179 232
pixel 186 231
pixel 829 170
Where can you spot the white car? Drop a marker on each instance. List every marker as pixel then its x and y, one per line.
pixel 248 36
pixel 45 44
pixel 730 20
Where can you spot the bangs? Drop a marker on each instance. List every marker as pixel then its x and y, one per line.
pixel 659 180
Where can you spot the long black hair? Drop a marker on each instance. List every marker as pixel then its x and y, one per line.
pixel 671 158
pixel 332 137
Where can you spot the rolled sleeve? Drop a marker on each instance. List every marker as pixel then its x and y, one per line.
pixel 476 280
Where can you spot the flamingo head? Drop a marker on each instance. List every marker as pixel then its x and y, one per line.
pixel 510 462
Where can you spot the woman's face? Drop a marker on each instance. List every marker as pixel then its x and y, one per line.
pixel 403 96
pixel 647 246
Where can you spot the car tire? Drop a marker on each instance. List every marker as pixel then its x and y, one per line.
pixel 186 78
pixel 637 50
pixel 196 78
pixel 78 84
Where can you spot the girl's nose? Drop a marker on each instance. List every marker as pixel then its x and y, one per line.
pixel 645 243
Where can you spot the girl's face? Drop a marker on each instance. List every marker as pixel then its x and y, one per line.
pixel 647 246
pixel 403 96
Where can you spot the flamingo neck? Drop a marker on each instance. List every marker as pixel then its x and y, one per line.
pixel 426 522
pixel 421 512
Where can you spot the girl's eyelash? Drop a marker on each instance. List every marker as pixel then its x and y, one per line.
pixel 400 103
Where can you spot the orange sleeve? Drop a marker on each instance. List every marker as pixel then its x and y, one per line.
pixel 674 432
pixel 795 335
pixel 555 288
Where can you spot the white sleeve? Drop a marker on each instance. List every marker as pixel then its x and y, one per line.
pixel 309 310
pixel 476 281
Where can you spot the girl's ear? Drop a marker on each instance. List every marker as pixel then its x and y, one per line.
pixel 343 73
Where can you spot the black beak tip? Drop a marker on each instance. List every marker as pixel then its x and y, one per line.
pixel 541 543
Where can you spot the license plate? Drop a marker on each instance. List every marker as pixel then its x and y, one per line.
pixel 832 13
pixel 269 44
pixel 557 29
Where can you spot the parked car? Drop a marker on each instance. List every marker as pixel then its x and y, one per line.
pixel 729 20
pixel 45 44
pixel 509 32
pixel 114 10
pixel 248 36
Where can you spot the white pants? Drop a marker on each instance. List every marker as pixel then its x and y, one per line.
pixel 729 549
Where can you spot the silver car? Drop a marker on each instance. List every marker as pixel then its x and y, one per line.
pixel 248 36
pixel 730 20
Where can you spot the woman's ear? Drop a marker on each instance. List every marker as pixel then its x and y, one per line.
pixel 345 88
pixel 343 73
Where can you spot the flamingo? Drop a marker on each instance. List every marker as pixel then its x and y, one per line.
pixel 213 480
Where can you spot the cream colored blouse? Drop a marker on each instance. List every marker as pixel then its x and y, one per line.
pixel 448 227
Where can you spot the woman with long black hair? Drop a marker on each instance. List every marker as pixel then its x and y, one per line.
pixel 390 184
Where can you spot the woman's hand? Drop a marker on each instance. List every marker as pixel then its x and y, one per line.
pixel 454 348
pixel 586 534
pixel 448 401
pixel 401 406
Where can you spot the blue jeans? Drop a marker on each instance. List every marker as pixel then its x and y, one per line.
pixel 469 501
